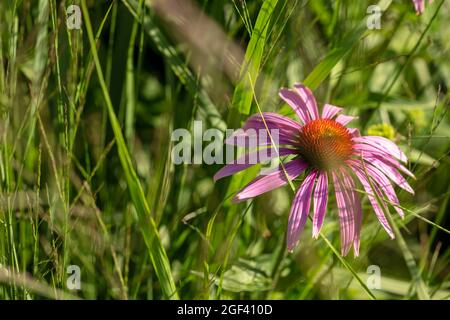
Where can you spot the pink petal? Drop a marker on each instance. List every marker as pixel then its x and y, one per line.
pixel 255 128
pixel 271 181
pixel 383 144
pixel 346 216
pixel 308 100
pixel 344 119
pixel 370 194
pixel 320 202
pixel 362 148
pixel 390 172
pixel 247 160
pixel 389 161
pixel 354 132
pixel 329 111
pixel 296 103
pixel 383 183
pixel 300 210
pixel 357 212
pixel 273 120
pixel 419 5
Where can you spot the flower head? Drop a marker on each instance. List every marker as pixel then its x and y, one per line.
pixel 419 5
pixel 332 157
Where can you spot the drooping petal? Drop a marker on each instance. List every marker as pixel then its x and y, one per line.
pixel 272 180
pixel 357 209
pixel 357 240
pixel 255 131
pixel 320 202
pixel 344 119
pixel 296 103
pixel 308 99
pixel 419 6
pixel 345 210
pixel 363 149
pixel 273 120
pixel 383 144
pixel 389 161
pixel 354 132
pixel 247 160
pixel 390 172
pixel 371 195
pixel 300 210
pixel 329 111
pixel 383 183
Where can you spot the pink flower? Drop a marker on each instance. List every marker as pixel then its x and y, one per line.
pixel 419 5
pixel 330 154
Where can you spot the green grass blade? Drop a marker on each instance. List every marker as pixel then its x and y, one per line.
pixel 147 225
pixel 422 290
pixel 347 266
pixel 243 94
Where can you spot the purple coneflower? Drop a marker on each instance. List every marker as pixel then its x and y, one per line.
pixel 330 154
pixel 419 5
